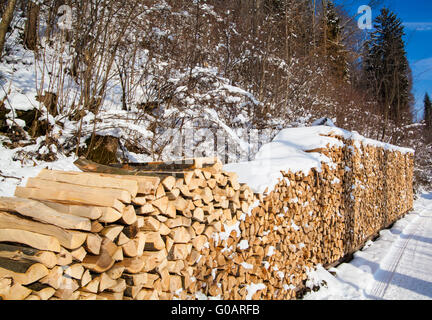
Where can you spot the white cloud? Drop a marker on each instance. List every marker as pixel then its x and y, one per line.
pixel 422 69
pixel 418 26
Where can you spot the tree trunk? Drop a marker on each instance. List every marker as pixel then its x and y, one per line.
pixel 5 22
pixel 31 28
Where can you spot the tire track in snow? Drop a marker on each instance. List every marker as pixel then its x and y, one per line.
pixel 387 270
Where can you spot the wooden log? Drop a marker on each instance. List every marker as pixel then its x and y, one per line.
pixel 180 251
pixel 89 166
pixel 93 244
pixel 110 215
pixel 147 294
pixel 175 267
pixel 147 209
pixel 133 265
pixel 90 212
pixel 169 183
pixel 75 271
pixel 132 291
pixel 154 259
pixel 96 227
pixel 106 282
pixel 116 272
pixel 14 252
pixel 180 235
pixel 112 232
pixel 180 221
pixel 130 249
pixel 16 292
pixel 23 272
pixel 79 254
pixel 177 165
pixel 42 213
pixel 110 296
pixel 68 239
pixel 99 263
pixel 122 239
pixel 165 206
pixel 129 216
pixel 118 194
pixel 64 257
pixel 86 278
pixel 31 239
pixel 90 180
pixel 119 287
pixel 153 242
pixel 151 224
pixel 69 197
pixel 44 292
pixel 92 286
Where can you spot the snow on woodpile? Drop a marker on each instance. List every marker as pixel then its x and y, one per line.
pixel 292 149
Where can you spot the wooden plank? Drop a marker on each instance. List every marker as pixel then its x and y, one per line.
pixel 42 213
pixel 68 239
pixel 34 240
pixel 90 180
pixel 68 197
pixel 118 194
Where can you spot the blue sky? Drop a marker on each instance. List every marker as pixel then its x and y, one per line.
pixel 417 18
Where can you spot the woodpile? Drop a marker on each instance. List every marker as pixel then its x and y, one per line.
pixel 180 230
pixel 76 235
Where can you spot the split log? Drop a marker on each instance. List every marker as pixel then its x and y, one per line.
pixel 68 239
pixel 118 194
pixel 90 180
pixel 42 213
pixel 21 253
pixel 31 239
pixel 95 199
pixel 90 212
pixel 23 272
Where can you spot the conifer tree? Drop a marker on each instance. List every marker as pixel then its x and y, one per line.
pixel 334 48
pixel 428 111
pixel 386 66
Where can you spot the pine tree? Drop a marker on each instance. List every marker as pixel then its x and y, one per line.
pixel 334 49
pixel 428 111
pixel 386 67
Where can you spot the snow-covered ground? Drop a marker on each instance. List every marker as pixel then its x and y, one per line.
pixel 398 266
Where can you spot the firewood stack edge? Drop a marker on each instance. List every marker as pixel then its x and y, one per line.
pixel 188 229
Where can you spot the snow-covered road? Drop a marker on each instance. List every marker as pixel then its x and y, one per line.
pixel 398 266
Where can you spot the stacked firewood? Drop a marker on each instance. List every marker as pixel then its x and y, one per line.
pixel 189 229
pixel 72 235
